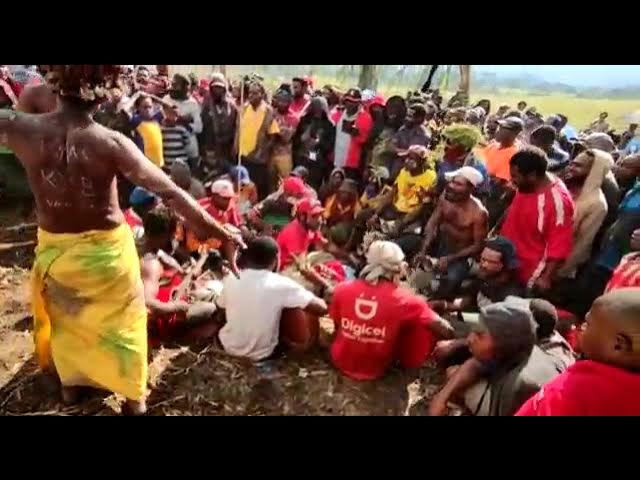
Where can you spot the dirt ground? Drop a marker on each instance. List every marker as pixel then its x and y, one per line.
pixel 197 380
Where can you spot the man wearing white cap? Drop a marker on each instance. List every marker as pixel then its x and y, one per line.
pixel 460 224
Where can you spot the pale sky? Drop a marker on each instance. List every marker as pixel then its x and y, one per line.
pixel 576 75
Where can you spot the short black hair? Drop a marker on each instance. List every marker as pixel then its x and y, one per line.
pixel 159 221
pixel 545 316
pixel 140 99
pixel 261 252
pixel 256 83
pixel 181 78
pixel 530 160
pixel 545 133
pixel 418 109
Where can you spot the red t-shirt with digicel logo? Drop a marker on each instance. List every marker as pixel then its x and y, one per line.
pixel 376 325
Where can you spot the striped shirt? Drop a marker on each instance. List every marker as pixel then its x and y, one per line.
pixel 175 141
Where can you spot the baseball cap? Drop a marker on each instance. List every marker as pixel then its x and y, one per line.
pixel 140 197
pixel 224 188
pixel 353 95
pixel 473 176
pixel 293 187
pixel 419 150
pixel 309 207
pixel 512 123
pixel 217 80
pixel 601 141
pixel 240 175
pixel 502 319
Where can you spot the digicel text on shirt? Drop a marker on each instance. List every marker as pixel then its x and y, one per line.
pixel 377 324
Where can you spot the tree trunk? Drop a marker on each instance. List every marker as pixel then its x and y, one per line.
pixel 465 79
pixel 368 77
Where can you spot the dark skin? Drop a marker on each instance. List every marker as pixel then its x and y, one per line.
pixel 491 267
pixel 506 136
pixel 218 94
pixel 412 120
pixel 416 166
pixel 577 172
pixel 462 220
pixel 152 271
pixel 528 184
pixel 299 89
pixel 627 169
pixel 609 337
pixel 72 172
pixel 37 99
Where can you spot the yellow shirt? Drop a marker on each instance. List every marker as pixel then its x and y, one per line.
pixel 150 135
pixel 250 122
pixel 410 188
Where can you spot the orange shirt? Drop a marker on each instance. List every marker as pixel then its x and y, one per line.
pixel 496 158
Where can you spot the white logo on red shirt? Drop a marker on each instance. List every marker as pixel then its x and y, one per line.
pixel 366 309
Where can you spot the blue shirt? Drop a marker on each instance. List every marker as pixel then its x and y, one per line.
pixel 632 147
pixel 628 212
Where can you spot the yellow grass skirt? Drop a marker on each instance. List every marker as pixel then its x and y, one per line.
pixel 89 311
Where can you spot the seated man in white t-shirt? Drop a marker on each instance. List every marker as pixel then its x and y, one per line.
pixel 255 302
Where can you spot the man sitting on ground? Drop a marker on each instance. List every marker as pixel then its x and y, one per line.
pixel 255 301
pixel 168 316
pixel 303 232
pixel 608 382
pixel 506 367
pixel 539 221
pixel 343 206
pixel 377 322
pixel 459 224
pixel 493 281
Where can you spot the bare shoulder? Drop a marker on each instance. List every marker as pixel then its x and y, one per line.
pixel 479 207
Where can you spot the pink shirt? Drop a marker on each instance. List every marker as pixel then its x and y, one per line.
pixel 294 239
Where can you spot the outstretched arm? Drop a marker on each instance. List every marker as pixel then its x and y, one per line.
pixel 133 164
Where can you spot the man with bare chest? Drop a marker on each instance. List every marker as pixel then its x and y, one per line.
pixel 89 310
pixel 459 224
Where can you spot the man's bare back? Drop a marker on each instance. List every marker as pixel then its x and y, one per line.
pixel 73 183
pixel 71 164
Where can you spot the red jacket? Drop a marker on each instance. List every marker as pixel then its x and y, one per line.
pixel 364 124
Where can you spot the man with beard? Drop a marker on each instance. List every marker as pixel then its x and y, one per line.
pixel 583 177
pixel 301 99
pixel 459 224
pixel 493 279
pixel 189 111
pixel 219 123
pixel 539 221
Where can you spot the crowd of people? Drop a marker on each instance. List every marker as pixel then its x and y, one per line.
pixel 502 244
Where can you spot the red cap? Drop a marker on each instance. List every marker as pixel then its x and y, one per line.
pixel 294 187
pixel 309 207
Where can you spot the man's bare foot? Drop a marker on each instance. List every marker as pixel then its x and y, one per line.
pixel 70 395
pixel 133 408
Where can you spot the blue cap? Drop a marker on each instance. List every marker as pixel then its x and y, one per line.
pixel 240 174
pixel 141 197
